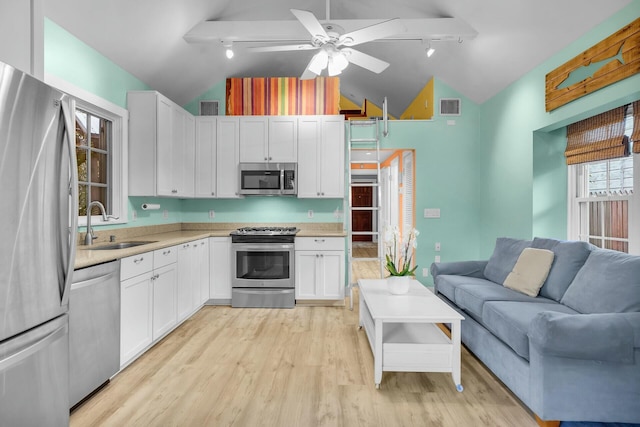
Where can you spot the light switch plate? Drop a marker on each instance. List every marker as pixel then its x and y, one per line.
pixel 310 214
pixel 437 258
pixel 212 214
pixel 432 213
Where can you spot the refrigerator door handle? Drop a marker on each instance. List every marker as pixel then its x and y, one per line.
pixel 18 357
pixel 70 222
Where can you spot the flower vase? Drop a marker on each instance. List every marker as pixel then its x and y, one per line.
pixel 398 285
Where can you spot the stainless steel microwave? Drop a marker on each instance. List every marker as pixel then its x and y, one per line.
pixel 268 179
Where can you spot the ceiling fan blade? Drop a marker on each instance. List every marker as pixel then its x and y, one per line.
pixel 311 23
pixel 282 48
pixel 365 61
pixel 384 29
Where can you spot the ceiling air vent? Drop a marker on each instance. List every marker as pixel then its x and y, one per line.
pixel 208 108
pixel 449 106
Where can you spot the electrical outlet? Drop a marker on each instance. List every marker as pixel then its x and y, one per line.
pixel 437 246
pixel 425 272
pixel 310 214
pixel 134 214
pixel 437 258
pixel 165 214
pixel 212 214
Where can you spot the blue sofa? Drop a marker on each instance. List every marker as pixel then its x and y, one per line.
pixel 571 353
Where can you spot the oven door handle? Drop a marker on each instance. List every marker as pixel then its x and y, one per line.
pixel 264 247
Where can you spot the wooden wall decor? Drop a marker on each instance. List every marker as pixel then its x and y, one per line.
pixel 613 59
pixel 282 96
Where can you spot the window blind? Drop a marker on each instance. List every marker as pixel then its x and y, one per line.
pixel 599 137
pixel 635 135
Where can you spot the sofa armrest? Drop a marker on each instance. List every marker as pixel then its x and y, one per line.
pixel 609 337
pixel 459 268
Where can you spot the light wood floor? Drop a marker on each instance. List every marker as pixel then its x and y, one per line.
pixel 309 366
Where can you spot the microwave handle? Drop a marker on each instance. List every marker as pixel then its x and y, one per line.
pixel 283 184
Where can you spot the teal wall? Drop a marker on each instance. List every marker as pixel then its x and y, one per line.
pixel 74 61
pixel 447 173
pixel 523 177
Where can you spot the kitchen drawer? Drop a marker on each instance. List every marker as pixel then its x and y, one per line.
pixel 135 265
pixel 319 243
pixel 165 256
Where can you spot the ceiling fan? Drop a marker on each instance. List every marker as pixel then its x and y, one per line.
pixel 333 38
pixel 334 45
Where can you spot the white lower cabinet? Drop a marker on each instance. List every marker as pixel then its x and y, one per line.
pixel 202 268
pixel 320 268
pixel 193 277
pixel 220 270
pixel 147 300
pixel 164 300
pixel 185 280
pixel 136 321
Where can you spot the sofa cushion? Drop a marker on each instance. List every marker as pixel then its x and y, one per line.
pixel 569 258
pixel 609 282
pixel 447 284
pixel 510 321
pixel 504 257
pixel 530 271
pixel 471 298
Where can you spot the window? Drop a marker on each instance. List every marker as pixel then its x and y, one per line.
pixel 110 123
pixel 603 205
pixel 93 153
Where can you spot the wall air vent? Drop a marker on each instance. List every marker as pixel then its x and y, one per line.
pixel 208 108
pixel 450 106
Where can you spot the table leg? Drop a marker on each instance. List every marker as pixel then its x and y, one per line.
pixel 455 368
pixel 377 354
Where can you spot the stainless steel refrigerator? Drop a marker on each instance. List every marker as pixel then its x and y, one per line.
pixel 38 221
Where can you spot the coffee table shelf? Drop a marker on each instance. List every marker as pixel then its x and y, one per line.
pixel 403 333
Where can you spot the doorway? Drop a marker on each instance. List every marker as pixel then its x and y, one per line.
pixel 362 220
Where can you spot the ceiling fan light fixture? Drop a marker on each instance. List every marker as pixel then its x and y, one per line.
pixel 337 63
pixel 319 62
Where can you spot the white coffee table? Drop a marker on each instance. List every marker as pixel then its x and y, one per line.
pixel 403 332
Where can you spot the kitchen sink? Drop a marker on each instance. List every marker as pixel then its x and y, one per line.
pixel 119 245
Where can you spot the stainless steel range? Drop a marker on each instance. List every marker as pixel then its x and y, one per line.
pixel 262 261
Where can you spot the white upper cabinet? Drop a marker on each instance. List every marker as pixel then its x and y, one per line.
pixel 321 157
pixel 205 164
pixel 227 156
pixel 272 139
pixel 22 36
pixel 283 139
pixel 254 143
pixel 161 146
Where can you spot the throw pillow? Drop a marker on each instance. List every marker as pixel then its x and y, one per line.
pixel 504 257
pixel 570 256
pixel 530 271
pixel 609 282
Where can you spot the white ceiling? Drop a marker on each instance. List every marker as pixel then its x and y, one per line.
pixel 145 37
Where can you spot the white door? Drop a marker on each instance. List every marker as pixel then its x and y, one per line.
pixel 407 191
pixel 394 191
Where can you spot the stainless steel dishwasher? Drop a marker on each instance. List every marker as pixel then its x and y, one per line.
pixel 94 329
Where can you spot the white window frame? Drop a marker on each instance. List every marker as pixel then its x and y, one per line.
pixel 576 177
pixel 119 117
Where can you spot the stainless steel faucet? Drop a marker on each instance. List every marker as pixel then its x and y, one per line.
pixel 89 237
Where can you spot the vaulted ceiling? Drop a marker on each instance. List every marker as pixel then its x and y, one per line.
pixel 146 38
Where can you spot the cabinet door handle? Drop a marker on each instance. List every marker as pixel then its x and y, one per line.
pixel 174 191
pixel 213 193
pixel 139 260
pixel 166 252
pixel 319 240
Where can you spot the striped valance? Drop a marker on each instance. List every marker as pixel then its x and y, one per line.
pixel 599 137
pixel 281 96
